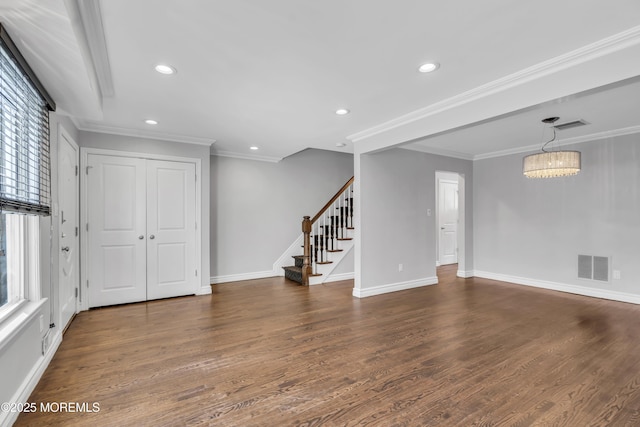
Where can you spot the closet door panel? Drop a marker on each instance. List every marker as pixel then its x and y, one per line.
pixel 171 221
pixel 116 191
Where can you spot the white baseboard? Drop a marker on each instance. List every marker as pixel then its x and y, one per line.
pixel 562 287
pixel 242 276
pixel 393 287
pixel 340 276
pixel 464 274
pixel 31 381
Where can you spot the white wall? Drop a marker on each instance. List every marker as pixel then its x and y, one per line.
pixel 397 187
pixel 166 148
pixel 257 207
pixel 531 231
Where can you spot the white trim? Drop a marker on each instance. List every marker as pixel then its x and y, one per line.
pixel 569 141
pixel 246 156
pixel 91 17
pixel 394 287
pixel 84 243
pixel 21 315
pixel 561 287
pixel 204 290
pixel 137 133
pixel 578 56
pixel 242 276
pixel 340 276
pixel 31 380
pixel 437 151
pixel 464 274
pixel 285 259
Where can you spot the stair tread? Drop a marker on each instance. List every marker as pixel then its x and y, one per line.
pixel 334 250
pixel 344 238
pixel 324 262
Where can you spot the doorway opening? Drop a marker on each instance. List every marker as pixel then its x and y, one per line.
pixel 449 220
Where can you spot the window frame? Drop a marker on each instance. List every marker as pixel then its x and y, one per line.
pixel 23 268
pixel 23 230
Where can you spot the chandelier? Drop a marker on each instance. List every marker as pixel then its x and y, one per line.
pixel 551 164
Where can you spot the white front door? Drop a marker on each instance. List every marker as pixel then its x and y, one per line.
pixel 171 220
pixel 117 236
pixel 69 260
pixel 447 221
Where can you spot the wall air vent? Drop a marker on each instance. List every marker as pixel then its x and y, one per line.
pixel 593 267
pixel 569 125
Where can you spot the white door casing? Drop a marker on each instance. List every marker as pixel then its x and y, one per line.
pixel 447 221
pixel 171 264
pixel 142 229
pixel 69 248
pixel 116 214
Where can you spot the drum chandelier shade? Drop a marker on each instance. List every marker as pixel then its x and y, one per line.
pixel 551 164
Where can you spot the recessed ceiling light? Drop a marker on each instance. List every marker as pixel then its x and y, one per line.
pixel 253 147
pixel 429 67
pixel 342 111
pixel 151 122
pixel 165 69
pixel 340 144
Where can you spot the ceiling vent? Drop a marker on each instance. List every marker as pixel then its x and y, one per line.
pixel 569 125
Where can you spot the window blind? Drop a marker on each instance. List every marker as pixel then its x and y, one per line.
pixel 25 171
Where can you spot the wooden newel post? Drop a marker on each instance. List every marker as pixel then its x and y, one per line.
pixel 306 257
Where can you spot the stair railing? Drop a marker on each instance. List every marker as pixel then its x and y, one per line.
pixel 328 226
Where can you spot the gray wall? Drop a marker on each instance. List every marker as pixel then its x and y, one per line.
pixel 257 207
pixel 536 228
pixel 166 148
pixel 397 187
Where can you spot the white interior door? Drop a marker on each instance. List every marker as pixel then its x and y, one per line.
pixel 69 260
pixel 171 221
pixel 116 213
pixel 447 221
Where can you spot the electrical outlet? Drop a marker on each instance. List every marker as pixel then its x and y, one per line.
pixel 400 267
pixel 616 274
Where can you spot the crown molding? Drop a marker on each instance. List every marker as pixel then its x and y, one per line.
pixel 606 46
pixel 438 151
pixel 246 156
pixel 562 142
pixel 93 32
pixel 112 130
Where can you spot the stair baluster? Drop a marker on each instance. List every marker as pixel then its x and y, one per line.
pixel 321 233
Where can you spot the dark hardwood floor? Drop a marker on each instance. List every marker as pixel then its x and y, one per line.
pixel 269 352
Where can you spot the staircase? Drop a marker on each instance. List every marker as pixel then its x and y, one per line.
pixel 326 238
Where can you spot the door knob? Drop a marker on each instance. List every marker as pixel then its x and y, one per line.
pixel 65 249
pixel 141 237
pixel 441 228
pixel 152 237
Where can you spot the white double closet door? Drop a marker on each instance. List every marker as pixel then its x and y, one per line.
pixel 141 229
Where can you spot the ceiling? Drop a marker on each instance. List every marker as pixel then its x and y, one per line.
pixel 272 73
